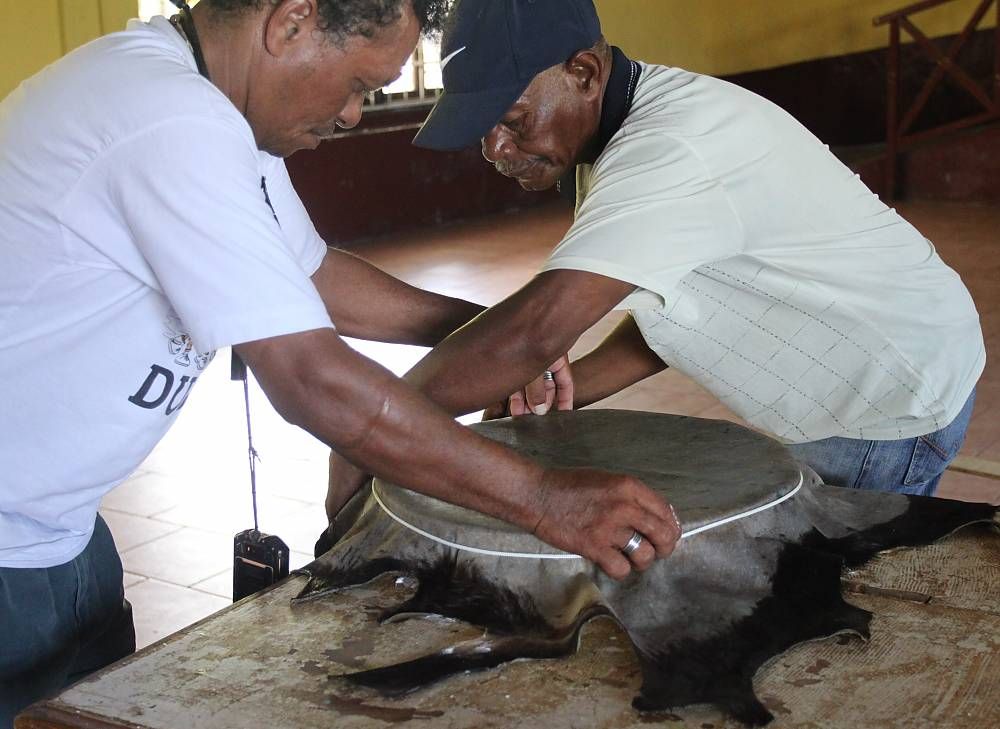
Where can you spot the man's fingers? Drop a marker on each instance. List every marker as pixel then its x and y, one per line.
pixel 563 378
pixel 536 395
pixel 614 564
pixel 663 534
pixel 648 500
pixel 517 404
pixel 662 537
pixel 659 536
pixel 495 411
pixel 642 556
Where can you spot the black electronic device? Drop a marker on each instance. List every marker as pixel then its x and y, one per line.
pixel 259 560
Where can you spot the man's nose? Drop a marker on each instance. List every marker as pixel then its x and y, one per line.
pixel 350 115
pixel 496 144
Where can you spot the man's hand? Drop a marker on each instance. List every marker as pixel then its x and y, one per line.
pixel 344 481
pixel 594 513
pixel 540 395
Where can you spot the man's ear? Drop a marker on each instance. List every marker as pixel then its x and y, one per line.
pixel 288 22
pixel 585 69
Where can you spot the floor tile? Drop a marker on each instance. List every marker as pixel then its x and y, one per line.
pixel 298 479
pixel 220 585
pixel 183 557
pixel 225 513
pixel 129 579
pixel 130 531
pixel 984 429
pixel 301 528
pixel 967 487
pixel 160 609
pixel 146 494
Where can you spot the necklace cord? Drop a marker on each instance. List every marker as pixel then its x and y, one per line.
pixel 184 23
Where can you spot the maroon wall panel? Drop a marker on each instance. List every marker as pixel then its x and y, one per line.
pixel 375 182
pixel 842 100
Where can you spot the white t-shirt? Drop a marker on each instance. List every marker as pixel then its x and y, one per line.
pixel 768 272
pixel 135 240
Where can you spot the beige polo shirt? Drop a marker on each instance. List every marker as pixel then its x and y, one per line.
pixel 768 272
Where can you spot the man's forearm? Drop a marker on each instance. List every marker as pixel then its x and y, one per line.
pixel 389 429
pixel 621 360
pixel 367 303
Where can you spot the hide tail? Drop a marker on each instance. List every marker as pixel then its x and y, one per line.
pixel 926 520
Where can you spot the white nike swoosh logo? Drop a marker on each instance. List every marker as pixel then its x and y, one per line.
pixel 447 59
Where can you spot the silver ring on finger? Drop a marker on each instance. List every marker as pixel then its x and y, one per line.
pixel 548 376
pixel 633 544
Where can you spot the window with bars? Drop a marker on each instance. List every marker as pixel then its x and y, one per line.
pixel 420 82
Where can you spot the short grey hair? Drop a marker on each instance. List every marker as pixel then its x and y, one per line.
pixel 345 18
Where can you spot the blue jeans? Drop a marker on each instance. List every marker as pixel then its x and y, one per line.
pixel 910 466
pixel 57 624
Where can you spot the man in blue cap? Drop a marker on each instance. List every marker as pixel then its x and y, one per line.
pixel 746 255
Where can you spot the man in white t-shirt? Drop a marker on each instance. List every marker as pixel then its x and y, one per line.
pixel 746 254
pixel 148 220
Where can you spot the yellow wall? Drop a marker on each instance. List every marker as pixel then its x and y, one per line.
pixel 33 33
pixel 710 36
pixel 730 36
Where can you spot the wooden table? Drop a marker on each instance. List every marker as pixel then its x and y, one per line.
pixel 933 661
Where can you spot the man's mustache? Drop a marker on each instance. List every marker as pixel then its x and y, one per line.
pixel 514 169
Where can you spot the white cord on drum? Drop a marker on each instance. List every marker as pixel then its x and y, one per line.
pixel 564 555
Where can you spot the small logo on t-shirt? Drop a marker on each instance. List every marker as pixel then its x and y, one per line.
pixel 181 346
pixel 162 386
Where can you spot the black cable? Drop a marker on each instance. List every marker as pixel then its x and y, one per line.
pixel 185 23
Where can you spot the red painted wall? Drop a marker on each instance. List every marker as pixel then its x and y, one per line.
pixel 373 181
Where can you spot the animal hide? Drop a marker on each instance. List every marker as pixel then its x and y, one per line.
pixel 757 572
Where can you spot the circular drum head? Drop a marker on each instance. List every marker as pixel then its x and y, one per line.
pixel 709 470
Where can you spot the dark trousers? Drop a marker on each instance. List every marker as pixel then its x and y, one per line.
pixel 57 624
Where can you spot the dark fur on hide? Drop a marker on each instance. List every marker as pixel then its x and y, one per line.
pixel 323 579
pixel 455 589
pixel 805 603
pixel 926 520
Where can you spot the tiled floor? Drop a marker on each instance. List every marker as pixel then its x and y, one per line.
pixel 174 520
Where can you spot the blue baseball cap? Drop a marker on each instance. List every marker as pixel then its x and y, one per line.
pixel 490 52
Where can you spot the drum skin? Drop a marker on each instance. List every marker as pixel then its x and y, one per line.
pixel 736 592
